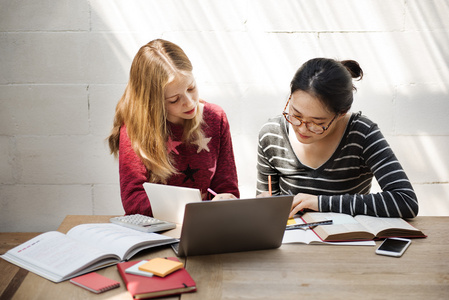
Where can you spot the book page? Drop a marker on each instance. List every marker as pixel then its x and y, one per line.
pixel 376 224
pixel 115 238
pixel 337 219
pixel 53 255
pixel 340 222
pixel 299 236
pixel 344 226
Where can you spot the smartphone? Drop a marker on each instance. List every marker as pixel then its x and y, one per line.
pixel 393 247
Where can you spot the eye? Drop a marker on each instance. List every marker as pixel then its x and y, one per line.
pixel 192 88
pixel 173 101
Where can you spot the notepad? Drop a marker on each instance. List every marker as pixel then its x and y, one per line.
pixel 134 269
pixel 161 266
pixel 95 282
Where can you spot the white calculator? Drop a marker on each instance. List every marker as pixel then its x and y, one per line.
pixel 143 223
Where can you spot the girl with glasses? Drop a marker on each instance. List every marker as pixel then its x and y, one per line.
pixel 326 156
pixel 164 133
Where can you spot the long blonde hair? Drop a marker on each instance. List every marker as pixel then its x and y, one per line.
pixel 142 108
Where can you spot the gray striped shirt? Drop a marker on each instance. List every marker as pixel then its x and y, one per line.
pixel 342 183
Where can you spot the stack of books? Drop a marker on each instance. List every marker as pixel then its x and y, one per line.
pixel 158 277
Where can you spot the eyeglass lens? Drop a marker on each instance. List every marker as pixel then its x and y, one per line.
pixel 309 125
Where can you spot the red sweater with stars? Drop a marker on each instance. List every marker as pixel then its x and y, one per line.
pixel 207 164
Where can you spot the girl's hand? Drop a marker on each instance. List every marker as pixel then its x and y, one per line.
pixel 263 194
pixel 224 196
pixel 303 201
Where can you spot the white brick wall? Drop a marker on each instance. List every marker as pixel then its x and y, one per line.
pixel 64 65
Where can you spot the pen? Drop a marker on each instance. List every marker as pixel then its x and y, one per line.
pixel 308 225
pixel 211 191
pixel 269 185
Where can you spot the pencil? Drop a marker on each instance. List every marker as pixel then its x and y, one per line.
pixel 211 191
pixel 269 185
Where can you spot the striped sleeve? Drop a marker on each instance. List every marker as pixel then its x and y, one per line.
pixel 397 198
pixel 269 139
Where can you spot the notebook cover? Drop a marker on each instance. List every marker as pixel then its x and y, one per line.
pixel 161 266
pixel 140 287
pixel 95 282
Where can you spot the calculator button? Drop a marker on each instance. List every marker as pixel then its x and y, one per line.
pixel 143 223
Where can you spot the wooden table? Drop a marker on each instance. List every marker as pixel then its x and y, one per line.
pixel 294 271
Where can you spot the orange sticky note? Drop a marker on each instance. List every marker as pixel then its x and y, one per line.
pixel 161 267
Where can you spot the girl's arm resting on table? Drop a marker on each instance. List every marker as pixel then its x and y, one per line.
pixel 397 198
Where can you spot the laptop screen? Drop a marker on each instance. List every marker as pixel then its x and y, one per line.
pixel 168 202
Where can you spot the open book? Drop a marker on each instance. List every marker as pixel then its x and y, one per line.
pixel 348 228
pixel 306 236
pixel 87 247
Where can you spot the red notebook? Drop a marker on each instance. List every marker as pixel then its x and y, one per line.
pixel 95 282
pixel 142 287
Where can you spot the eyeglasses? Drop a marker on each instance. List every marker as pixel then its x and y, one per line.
pixel 311 126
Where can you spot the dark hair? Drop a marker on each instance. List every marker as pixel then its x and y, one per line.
pixel 328 80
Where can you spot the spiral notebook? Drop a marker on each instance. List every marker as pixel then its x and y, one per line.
pixel 95 282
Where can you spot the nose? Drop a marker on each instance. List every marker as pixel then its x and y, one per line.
pixel 188 100
pixel 302 128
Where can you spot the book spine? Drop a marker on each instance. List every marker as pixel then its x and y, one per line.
pixel 122 274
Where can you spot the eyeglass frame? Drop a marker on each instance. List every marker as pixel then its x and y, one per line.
pixel 285 114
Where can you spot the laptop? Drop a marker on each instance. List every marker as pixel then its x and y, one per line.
pixel 223 226
pixel 168 202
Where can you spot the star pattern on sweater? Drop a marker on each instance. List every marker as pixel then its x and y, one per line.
pixel 202 144
pixel 171 145
pixel 212 170
pixel 189 173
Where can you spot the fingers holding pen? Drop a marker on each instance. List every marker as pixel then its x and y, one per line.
pixel 221 196
pixel 224 196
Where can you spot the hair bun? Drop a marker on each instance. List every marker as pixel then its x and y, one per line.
pixel 354 68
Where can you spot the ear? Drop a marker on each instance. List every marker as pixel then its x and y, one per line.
pixel 342 116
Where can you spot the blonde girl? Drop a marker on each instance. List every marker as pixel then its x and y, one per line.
pixel 163 133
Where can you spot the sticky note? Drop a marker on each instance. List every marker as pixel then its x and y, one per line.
pixel 161 267
pixel 291 221
pixel 135 269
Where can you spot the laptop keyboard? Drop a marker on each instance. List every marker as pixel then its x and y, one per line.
pixel 175 247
